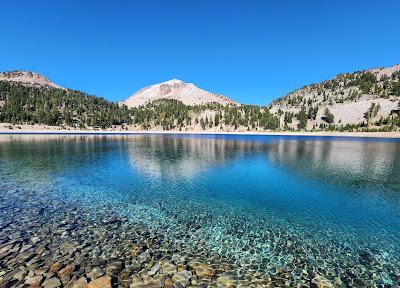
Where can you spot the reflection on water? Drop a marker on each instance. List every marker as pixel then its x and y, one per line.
pixel 242 197
pixel 177 157
pixel 353 162
pixel 359 163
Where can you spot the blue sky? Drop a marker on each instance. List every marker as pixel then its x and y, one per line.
pixel 251 51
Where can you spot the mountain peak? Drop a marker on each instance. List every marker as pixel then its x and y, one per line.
pixel 28 78
pixel 173 81
pixel 187 93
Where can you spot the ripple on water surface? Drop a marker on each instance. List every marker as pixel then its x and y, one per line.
pixel 280 211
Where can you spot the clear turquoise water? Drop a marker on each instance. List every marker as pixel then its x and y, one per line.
pixel 286 202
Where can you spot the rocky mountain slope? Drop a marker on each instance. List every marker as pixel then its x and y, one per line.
pixel 176 89
pixel 34 103
pixel 28 78
pixel 359 98
pixel 362 101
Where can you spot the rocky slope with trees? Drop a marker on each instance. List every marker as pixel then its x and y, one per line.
pixel 29 102
pixel 361 101
pixel 366 99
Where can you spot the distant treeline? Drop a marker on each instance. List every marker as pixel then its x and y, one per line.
pixel 50 106
pixel 21 104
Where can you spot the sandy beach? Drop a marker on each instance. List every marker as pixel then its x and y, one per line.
pixel 42 129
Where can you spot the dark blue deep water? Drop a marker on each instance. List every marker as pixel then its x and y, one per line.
pixel 262 203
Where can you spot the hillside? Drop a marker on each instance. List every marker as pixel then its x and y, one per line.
pixel 170 114
pixel 368 98
pixel 43 104
pixel 28 78
pixel 175 89
pixel 360 101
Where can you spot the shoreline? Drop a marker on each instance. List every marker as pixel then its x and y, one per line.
pixel 50 131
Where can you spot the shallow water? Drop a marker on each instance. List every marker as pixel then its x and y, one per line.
pixel 266 210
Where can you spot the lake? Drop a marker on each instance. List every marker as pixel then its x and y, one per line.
pixel 209 210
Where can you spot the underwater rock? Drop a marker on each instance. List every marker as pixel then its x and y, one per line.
pixel 55 267
pixel 65 273
pixel 225 282
pixel 95 273
pixel 80 283
pixel 137 249
pixel 35 239
pixel 102 282
pixel 20 275
pixel 124 277
pixel 5 249
pixel 168 283
pixel 144 257
pixel 182 277
pixel 52 283
pixel 114 267
pixel 67 248
pixel 202 271
pixel 154 269
pixel 168 268
pixel 137 282
pixel 321 282
pixel 33 280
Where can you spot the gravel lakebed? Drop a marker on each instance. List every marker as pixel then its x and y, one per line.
pixel 51 241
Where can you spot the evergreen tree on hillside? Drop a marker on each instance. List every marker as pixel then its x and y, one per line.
pixel 329 117
pixel 302 118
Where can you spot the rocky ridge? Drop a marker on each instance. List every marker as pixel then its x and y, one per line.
pixel 28 78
